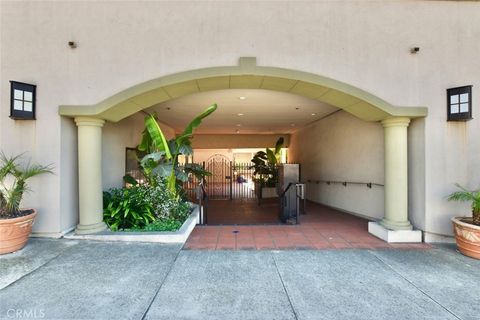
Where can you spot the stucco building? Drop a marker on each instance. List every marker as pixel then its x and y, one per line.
pixel 358 89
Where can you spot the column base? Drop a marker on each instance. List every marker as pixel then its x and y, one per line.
pixel 90 228
pixel 394 236
pixel 395 225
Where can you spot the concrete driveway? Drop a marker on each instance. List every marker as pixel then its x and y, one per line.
pixel 61 279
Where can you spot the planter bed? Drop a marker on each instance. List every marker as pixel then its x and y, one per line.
pixel 179 236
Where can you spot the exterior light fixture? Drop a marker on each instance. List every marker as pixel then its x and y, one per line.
pixel 22 100
pixel 459 103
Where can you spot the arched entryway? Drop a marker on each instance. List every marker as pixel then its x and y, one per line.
pixel 247 74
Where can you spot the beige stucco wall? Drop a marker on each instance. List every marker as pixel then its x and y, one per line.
pixel 229 141
pixel 416 174
pixel 116 138
pixel 342 148
pixel 362 43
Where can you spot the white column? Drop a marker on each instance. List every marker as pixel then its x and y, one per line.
pixel 90 175
pixel 395 227
pixel 396 174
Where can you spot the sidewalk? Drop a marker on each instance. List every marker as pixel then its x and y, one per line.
pixel 61 279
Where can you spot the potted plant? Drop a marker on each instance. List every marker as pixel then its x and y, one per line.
pixel 15 223
pixel 266 171
pixel 467 229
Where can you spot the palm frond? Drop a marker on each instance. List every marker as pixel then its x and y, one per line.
pixel 32 170
pixel 461 196
pixel 7 165
pixel 11 194
pixel 467 196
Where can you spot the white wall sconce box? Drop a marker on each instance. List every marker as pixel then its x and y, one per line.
pixel 459 103
pixel 22 100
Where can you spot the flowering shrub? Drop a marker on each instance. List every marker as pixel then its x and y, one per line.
pixel 144 207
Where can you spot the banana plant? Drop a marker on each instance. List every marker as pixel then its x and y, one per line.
pixel 162 155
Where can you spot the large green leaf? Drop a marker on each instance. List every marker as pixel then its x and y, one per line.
pixel 278 146
pixel 181 175
pixel 258 161
pixel 155 156
pixel 185 148
pixel 188 132
pixel 130 180
pixel 272 160
pixel 157 136
pixel 163 170
pixel 146 143
pixel 197 170
pixel 260 155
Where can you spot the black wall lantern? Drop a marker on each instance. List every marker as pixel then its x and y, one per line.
pixel 459 103
pixel 22 100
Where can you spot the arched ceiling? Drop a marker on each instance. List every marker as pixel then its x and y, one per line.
pixel 247 75
pixel 245 111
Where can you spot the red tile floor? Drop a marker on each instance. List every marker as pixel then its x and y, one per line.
pixel 242 211
pixel 321 228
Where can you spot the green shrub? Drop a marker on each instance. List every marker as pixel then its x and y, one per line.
pixel 169 224
pixel 143 206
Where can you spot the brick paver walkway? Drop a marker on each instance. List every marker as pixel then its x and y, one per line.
pixel 321 228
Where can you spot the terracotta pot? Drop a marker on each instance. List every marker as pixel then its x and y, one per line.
pixel 467 236
pixel 14 232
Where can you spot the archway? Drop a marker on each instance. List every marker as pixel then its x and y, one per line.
pixel 247 74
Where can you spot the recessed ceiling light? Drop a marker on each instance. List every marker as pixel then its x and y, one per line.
pixel 314 114
pixel 239 125
pixel 240 114
pixel 292 124
pixel 242 98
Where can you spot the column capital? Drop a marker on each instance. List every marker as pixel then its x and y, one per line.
pixel 89 121
pixel 396 122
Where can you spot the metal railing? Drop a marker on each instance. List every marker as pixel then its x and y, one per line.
pixel 345 183
pixel 285 205
pixel 202 202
